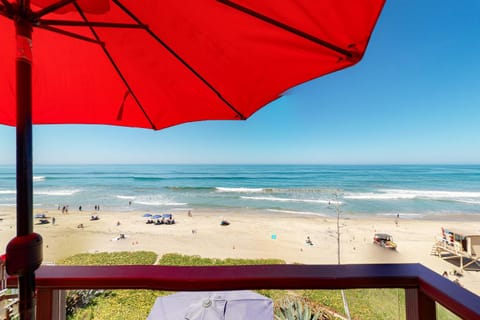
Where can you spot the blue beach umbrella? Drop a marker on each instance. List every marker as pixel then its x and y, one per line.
pixel 146 215
pixel 157 216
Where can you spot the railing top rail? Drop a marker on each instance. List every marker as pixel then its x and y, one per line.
pixel 450 295
pixel 175 278
pixel 216 278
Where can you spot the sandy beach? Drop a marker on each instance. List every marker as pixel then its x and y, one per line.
pixel 251 234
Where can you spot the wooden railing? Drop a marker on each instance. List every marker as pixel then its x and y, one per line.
pixel 423 287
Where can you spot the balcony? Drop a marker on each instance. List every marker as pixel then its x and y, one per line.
pixel 423 287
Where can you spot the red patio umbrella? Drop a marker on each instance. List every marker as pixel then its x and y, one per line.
pixel 155 64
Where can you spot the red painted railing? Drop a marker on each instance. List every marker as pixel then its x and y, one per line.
pixel 423 287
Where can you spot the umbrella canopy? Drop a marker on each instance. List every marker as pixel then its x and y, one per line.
pixel 220 305
pixel 157 216
pixel 146 215
pixel 154 64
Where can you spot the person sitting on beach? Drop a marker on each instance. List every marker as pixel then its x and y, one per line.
pixel 80 226
pixel 309 241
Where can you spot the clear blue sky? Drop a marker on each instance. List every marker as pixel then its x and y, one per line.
pixel 414 98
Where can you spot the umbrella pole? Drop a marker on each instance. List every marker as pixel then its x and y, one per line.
pixel 26 281
pixel 24 252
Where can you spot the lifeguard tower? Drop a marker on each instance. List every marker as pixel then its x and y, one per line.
pixel 462 244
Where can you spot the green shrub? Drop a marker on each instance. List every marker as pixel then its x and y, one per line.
pixel 111 258
pixel 297 309
pixel 175 259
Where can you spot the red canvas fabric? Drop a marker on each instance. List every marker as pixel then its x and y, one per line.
pixel 198 60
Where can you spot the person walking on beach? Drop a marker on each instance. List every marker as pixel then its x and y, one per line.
pixel 396 219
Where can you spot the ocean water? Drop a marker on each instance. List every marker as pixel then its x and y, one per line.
pixel 409 190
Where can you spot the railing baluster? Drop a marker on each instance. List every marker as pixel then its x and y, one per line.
pixel 44 304
pixel 418 305
pixel 52 304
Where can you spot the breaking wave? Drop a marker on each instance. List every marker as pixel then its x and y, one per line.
pixel 125 197
pixel 292 200
pixel 307 213
pixel 241 190
pixel 393 194
pixel 8 192
pixel 56 192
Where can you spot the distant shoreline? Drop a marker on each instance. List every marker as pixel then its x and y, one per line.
pixel 436 216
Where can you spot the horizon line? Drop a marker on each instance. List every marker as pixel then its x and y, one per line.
pixel 253 164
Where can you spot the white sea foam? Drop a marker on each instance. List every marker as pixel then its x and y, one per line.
pixel 125 197
pixel 292 200
pixel 242 190
pixel 160 203
pixel 378 196
pixel 61 193
pixel 392 194
pixel 401 214
pixel 39 178
pixel 157 200
pixel 298 212
pixel 7 204
pixel 470 201
pixel 8 192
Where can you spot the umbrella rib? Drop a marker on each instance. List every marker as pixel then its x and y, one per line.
pixel 7 7
pixel 51 8
pixel 117 69
pixel 90 24
pixel 71 34
pixel 172 52
pixel 287 28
